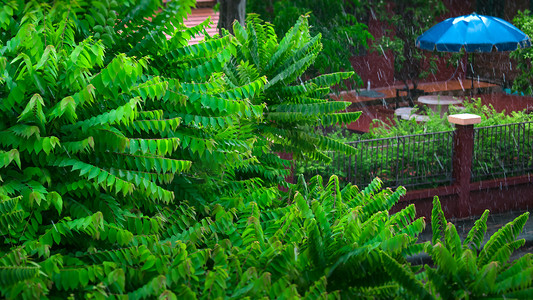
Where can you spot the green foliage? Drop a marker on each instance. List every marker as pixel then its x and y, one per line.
pixel 98 138
pixel 523 81
pixel 318 244
pixel 338 22
pixel 464 270
pixel 137 166
pixel 119 121
pixel 292 104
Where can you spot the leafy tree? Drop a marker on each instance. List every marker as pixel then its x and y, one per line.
pixel 97 144
pixel 410 18
pixel 343 34
pixel 99 138
pixel 292 104
pixel 523 82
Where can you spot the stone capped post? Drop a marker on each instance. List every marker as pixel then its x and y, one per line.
pixel 463 147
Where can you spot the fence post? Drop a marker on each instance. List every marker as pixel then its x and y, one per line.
pixel 463 147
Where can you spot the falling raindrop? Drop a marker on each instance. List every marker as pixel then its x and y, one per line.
pixel 373 14
pixel 438 160
pixel 383 51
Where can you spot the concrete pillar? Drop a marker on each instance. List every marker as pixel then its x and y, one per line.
pixel 463 148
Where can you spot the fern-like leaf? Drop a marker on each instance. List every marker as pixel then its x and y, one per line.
pixel 405 277
pixel 476 234
pixel 438 222
pixel 504 236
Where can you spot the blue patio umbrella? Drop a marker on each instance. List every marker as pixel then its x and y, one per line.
pixel 474 33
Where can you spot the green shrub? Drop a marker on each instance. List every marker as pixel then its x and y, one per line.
pixel 436 123
pixel 468 269
pixel 523 82
pixel 316 245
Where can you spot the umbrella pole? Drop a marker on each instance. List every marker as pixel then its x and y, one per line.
pixel 472 69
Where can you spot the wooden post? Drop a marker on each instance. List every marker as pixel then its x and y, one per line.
pixel 463 148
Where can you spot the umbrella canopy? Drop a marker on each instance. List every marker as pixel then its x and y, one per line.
pixel 476 33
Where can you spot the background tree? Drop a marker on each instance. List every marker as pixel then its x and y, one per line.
pixel 230 11
pixel 523 81
pixel 408 19
pixel 337 21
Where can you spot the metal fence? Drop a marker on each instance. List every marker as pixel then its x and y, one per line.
pixel 502 151
pixel 425 160
pixel 422 160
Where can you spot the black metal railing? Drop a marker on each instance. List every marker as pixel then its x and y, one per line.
pixel 422 160
pixel 425 160
pixel 503 150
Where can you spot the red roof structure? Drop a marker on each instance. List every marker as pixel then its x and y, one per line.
pixel 199 15
pixel 203 10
